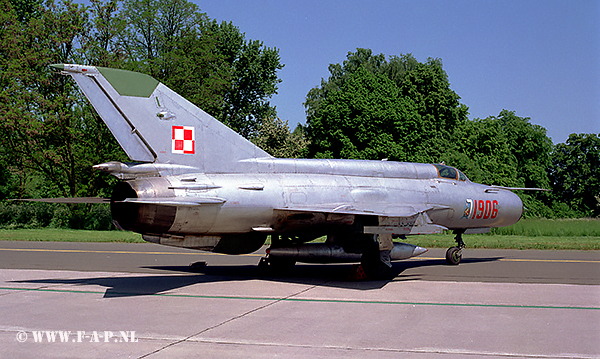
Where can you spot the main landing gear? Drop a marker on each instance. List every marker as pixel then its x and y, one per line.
pixel 277 265
pixel 375 262
pixel 454 254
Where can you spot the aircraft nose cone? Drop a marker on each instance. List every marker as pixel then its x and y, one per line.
pixel 513 208
pixel 523 208
pixel 58 66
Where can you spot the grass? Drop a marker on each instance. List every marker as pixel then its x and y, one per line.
pixel 540 227
pixel 69 235
pixel 575 234
pixel 497 241
pixel 533 233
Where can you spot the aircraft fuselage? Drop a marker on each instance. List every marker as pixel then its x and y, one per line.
pixel 287 196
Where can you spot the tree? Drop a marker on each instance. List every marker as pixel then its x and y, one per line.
pixel 507 150
pixel 36 105
pixel 253 78
pixel 275 138
pixel 48 139
pixel 152 30
pixel 100 43
pixel 372 108
pixel 531 147
pixel 364 119
pixel 8 185
pixel 211 64
pixel 197 72
pixel 440 112
pixel 575 173
pixel 27 9
pixel 50 136
pixel 339 73
pixel 484 153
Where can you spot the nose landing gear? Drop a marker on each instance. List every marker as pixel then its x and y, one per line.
pixel 454 254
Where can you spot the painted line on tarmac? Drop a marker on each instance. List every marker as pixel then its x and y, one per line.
pixel 262 255
pixel 303 300
pixel 525 260
pixel 548 260
pixel 117 252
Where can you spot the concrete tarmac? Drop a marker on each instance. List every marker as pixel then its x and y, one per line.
pixel 99 300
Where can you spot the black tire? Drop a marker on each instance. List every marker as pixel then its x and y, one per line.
pixel 453 256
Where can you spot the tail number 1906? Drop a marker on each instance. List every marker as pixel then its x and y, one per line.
pixel 480 209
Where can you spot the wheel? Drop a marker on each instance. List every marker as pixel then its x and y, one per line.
pixel 453 255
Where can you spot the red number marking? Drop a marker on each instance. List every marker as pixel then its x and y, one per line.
pixel 481 208
pixel 488 209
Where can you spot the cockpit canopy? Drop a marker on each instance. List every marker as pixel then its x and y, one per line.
pixel 450 173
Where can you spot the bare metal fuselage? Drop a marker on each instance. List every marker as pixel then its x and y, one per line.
pixel 307 199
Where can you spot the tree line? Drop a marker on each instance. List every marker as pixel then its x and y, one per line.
pixel 397 108
pixel 371 107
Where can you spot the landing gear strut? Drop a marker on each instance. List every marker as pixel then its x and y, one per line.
pixel 276 265
pixel 454 254
pixel 375 261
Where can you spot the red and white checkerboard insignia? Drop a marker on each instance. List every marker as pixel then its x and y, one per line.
pixel 183 140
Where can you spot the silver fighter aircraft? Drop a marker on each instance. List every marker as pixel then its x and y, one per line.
pixel 197 184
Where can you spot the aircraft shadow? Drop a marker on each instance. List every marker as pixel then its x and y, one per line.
pixel 327 275
pixel 130 285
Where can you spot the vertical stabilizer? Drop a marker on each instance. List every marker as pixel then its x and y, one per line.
pixel 154 124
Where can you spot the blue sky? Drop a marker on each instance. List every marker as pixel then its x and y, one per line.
pixel 540 59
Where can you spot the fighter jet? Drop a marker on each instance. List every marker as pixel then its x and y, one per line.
pixel 197 184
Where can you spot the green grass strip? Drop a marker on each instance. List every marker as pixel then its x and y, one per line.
pixel 534 233
pixel 69 235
